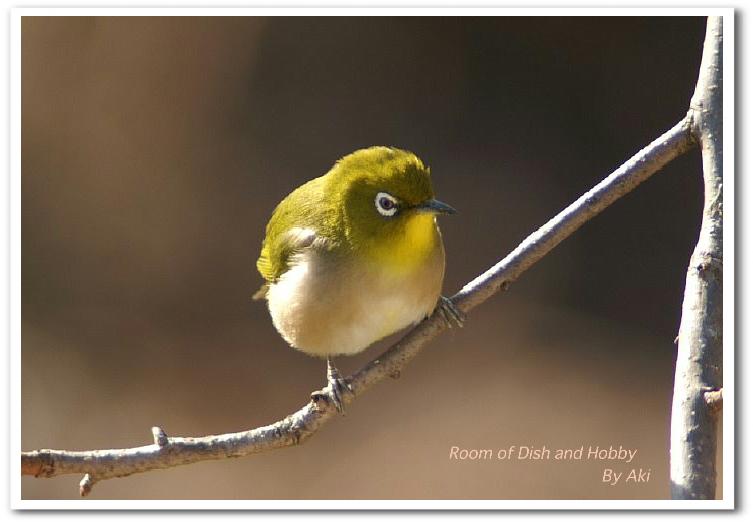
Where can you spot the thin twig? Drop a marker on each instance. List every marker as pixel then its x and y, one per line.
pixel 698 374
pixel 168 452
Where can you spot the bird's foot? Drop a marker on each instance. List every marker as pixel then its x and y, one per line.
pixel 451 314
pixel 336 388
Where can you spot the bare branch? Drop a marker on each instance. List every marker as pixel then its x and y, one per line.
pixel 168 452
pixel 698 374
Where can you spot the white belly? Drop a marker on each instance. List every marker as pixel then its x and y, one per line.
pixel 344 309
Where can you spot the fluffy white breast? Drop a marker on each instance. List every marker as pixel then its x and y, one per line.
pixel 327 307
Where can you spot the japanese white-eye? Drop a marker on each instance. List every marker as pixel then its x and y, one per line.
pixel 355 255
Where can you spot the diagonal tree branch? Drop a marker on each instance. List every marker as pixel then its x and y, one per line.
pixel 168 452
pixel 696 400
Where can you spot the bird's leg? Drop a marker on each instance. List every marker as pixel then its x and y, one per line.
pixel 450 313
pixel 337 386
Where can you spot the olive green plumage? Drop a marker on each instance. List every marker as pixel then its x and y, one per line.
pixel 332 204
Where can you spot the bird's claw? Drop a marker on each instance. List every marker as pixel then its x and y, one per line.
pixel 336 388
pixel 451 314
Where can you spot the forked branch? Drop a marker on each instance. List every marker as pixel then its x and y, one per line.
pixel 168 452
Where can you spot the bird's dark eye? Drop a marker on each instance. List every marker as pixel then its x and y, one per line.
pixel 386 204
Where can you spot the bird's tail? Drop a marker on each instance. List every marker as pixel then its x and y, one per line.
pixel 261 293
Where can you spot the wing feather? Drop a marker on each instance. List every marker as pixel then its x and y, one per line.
pixel 299 222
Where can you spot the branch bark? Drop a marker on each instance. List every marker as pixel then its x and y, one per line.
pixel 698 375
pixel 297 427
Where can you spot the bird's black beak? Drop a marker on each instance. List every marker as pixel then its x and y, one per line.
pixel 436 207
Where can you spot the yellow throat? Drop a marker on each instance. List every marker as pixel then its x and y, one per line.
pixel 409 249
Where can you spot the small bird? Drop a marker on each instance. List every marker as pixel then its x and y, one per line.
pixel 353 256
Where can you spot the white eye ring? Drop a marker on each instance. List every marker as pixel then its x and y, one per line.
pixel 385 204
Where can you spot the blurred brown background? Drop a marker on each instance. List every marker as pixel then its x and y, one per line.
pixel 154 150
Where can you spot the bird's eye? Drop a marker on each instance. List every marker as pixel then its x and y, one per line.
pixel 386 204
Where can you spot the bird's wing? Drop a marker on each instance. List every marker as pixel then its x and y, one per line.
pixel 276 255
pixel 299 222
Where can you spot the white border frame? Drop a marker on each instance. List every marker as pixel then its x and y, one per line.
pixel 16 502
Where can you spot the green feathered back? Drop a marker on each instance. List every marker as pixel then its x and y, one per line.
pixel 303 208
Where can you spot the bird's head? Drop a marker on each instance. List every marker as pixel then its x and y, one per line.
pixel 387 200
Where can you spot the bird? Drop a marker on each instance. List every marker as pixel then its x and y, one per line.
pixel 354 256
